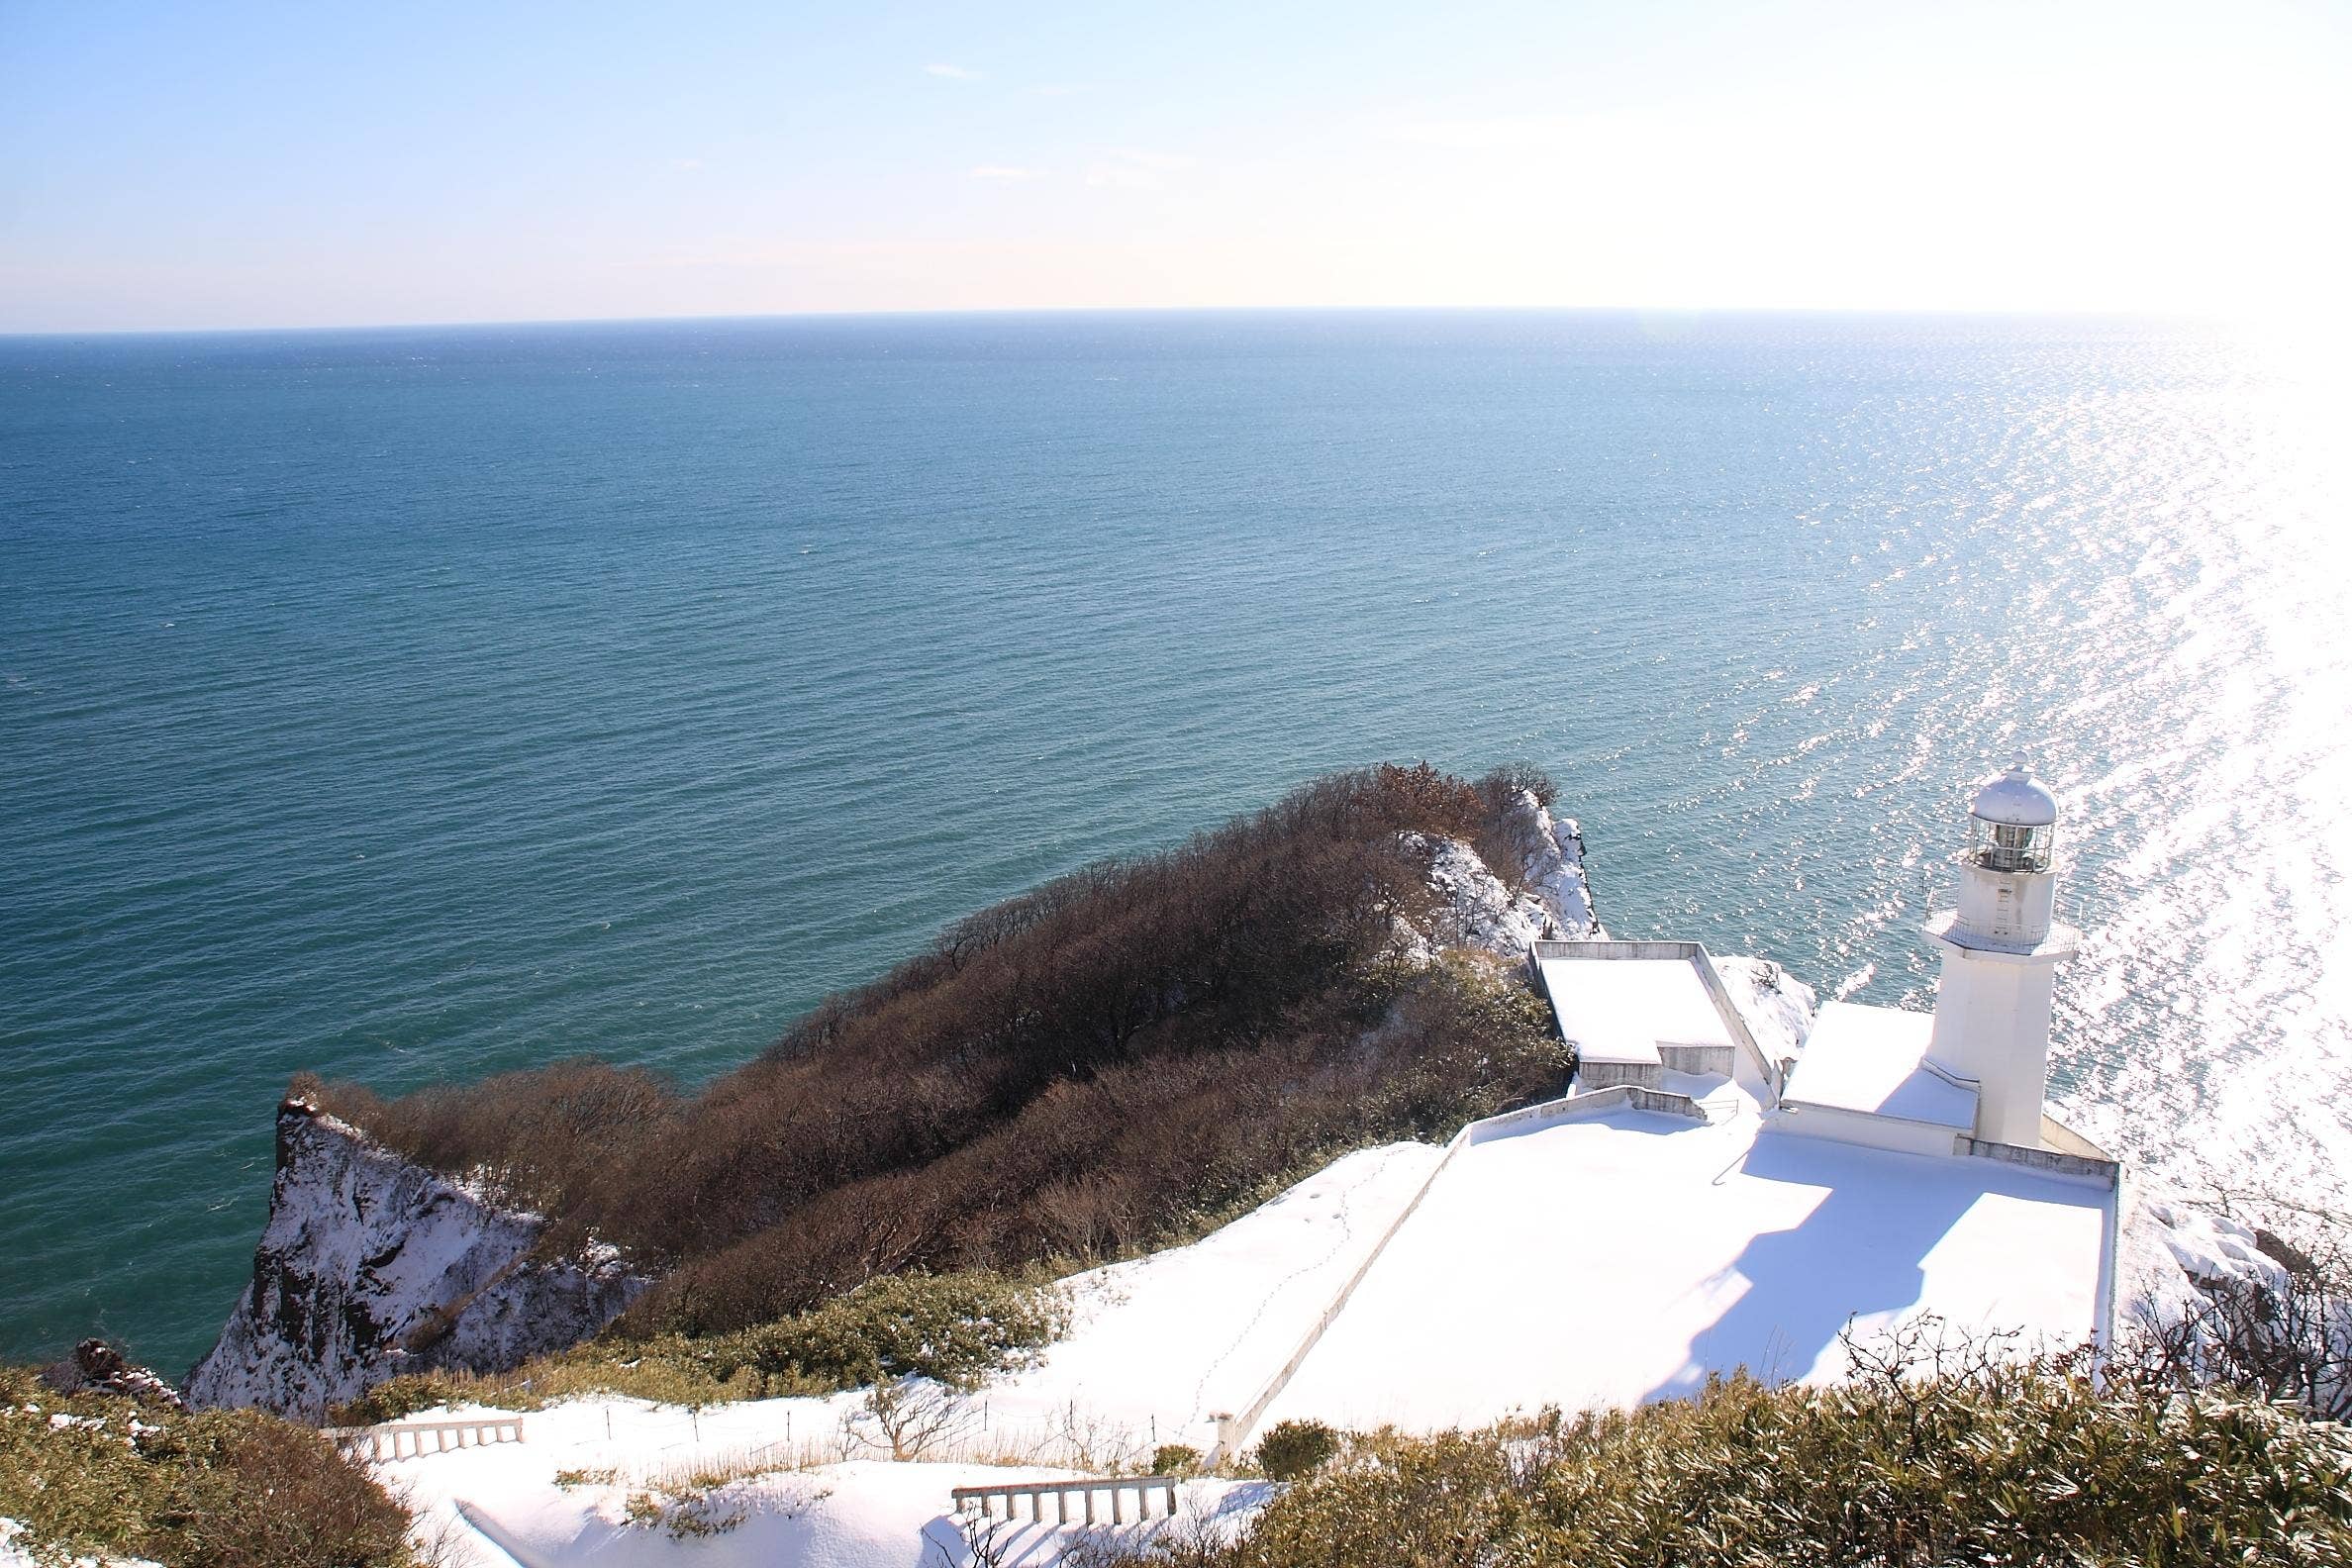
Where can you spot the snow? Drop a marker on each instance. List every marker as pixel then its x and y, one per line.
pixel 2171 1251
pixel 501 1505
pixel 1156 1347
pixel 1160 1345
pixel 1615 1257
pixel 15 1555
pixel 1622 1010
pixel 1776 1007
pixel 1589 1262
pixel 1873 1059
pixel 1479 910
pixel 1618 1259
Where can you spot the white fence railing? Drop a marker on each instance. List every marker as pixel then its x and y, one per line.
pixel 413 1440
pixel 1145 1488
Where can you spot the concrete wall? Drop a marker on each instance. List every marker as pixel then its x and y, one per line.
pixel 1719 1061
pixel 1755 1071
pixel 1592 1075
pixel 1993 1024
pixel 2105 1171
pixel 1861 1127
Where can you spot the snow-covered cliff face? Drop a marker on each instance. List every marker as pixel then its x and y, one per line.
pixel 1777 1007
pixel 371 1266
pixel 2171 1255
pixel 1477 910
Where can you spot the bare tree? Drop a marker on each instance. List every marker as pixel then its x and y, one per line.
pixel 982 1537
pixel 909 1416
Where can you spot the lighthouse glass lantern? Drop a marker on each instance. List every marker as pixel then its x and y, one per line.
pixel 2010 845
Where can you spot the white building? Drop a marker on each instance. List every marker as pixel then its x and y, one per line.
pixel 1970 1077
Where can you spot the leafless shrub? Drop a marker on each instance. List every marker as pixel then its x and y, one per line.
pixel 2285 1339
pixel 982 1537
pixel 909 1417
pixel 1088 1440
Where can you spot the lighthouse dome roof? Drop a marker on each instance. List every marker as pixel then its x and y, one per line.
pixel 2016 798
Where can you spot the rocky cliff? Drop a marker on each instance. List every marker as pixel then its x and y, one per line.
pixel 371 1266
pixel 1479 910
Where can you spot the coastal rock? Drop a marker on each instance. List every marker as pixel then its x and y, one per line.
pixel 98 1367
pixel 2172 1257
pixel 371 1266
pixel 1551 865
pixel 1478 910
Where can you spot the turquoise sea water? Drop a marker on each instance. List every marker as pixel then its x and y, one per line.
pixel 425 703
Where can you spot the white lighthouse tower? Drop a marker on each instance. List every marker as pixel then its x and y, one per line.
pixel 2001 950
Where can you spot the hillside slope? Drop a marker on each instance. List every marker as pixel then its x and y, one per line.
pixel 1085 1071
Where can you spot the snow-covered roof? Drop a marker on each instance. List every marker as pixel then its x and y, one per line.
pixel 1875 1059
pixel 2016 798
pixel 1621 1009
pixel 1610 1261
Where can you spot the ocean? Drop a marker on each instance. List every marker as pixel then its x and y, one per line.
pixel 422 703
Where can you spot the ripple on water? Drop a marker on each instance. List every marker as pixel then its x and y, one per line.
pixel 624 689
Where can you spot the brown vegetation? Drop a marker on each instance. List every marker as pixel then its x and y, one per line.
pixel 1078 1072
pixel 1940 1451
pixel 94 1471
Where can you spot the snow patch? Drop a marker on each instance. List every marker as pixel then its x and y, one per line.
pixel 16 1551
pixel 1777 1007
pixel 2170 1254
pixel 1606 1260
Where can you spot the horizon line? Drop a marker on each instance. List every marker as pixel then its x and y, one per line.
pixel 2045 312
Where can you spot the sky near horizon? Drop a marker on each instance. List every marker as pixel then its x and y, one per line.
pixel 236 164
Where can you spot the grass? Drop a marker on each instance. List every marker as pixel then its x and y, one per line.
pixel 99 1473
pixel 1999 1463
pixel 960 1328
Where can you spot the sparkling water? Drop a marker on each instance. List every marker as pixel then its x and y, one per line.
pixel 420 704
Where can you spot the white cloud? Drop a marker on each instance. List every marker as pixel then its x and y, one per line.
pixel 953 72
pixel 1133 168
pixel 685 166
pixel 1006 171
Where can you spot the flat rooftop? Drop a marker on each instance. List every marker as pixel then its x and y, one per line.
pixel 1874 1059
pixel 1621 1009
pixel 1619 1259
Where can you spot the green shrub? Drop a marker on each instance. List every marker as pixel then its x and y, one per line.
pixel 958 1329
pixel 2019 1464
pixel 1294 1449
pixel 405 1395
pixel 229 1489
pixel 1175 1459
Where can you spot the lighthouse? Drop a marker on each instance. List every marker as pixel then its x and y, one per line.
pixel 2001 949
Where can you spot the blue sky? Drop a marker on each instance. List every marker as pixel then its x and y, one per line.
pixel 229 164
